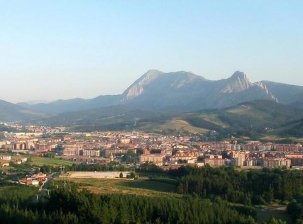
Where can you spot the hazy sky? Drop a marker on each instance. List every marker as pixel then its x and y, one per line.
pixel 59 49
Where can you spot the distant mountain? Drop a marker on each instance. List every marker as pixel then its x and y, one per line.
pixel 285 93
pixel 77 104
pixel 158 90
pixel 254 116
pixel 116 117
pixel 297 100
pixel 175 91
pixel 187 91
pixel 247 118
pixel 31 102
pixel 13 112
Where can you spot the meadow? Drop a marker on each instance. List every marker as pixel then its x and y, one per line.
pixel 264 214
pixel 142 186
pixel 40 161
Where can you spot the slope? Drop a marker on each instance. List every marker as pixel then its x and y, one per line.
pixel 285 93
pixel 252 116
pixel 105 119
pixel 13 112
pixel 182 91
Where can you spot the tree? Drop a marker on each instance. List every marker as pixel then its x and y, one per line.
pixel 276 221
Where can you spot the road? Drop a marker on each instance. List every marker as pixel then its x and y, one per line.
pixel 44 188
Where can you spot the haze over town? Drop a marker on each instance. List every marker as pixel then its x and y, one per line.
pixel 58 50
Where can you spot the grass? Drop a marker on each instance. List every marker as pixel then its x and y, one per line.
pixel 142 186
pixel 265 214
pixel 181 125
pixel 247 168
pixel 249 111
pixel 40 161
pixel 213 118
pixel 149 185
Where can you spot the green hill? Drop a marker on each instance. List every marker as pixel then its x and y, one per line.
pixel 253 116
pixel 292 129
pixel 244 119
pixel 111 118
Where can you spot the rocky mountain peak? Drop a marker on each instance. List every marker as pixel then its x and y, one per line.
pixel 236 83
pixel 238 75
pixel 149 75
pixel 183 90
pixel 138 86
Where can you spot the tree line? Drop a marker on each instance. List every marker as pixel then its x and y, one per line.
pixel 246 187
pixel 71 205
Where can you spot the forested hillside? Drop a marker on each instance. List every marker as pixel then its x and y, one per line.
pixel 252 116
pixel 71 206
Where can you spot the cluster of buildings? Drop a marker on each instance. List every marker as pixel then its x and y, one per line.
pixel 34 180
pixel 32 129
pixel 5 160
pixel 249 154
pixel 165 151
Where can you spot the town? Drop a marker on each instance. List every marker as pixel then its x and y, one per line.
pixel 135 148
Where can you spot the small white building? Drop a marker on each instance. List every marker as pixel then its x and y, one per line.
pixel 7 158
pixel 35 183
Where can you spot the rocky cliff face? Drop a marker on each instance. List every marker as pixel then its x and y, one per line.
pixel 138 87
pixel 157 90
pixel 236 83
pixel 285 93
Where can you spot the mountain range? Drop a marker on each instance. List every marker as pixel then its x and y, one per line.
pixel 182 91
pixel 13 112
pixel 173 92
pixel 258 116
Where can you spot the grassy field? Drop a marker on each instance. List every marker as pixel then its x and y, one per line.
pixel 181 125
pixel 248 168
pixel 249 112
pixel 142 186
pixel 39 161
pixel 265 214
pixel 213 118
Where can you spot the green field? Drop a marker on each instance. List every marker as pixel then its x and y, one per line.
pixel 213 118
pixel 181 125
pixel 40 161
pixel 249 112
pixel 142 186
pixel 265 214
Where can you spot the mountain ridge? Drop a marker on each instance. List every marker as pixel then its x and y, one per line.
pixel 254 117
pixel 13 112
pixel 179 91
pixel 184 91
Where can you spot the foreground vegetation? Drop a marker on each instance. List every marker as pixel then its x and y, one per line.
pixel 74 206
pixel 185 195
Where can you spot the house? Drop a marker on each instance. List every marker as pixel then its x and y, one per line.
pixel 214 160
pixel 154 158
pixel 35 183
pixel 8 158
pixel 276 162
pixel 4 163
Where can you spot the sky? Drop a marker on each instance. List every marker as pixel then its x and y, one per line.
pixel 59 49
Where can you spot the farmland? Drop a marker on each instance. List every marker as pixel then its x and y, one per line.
pixel 141 186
